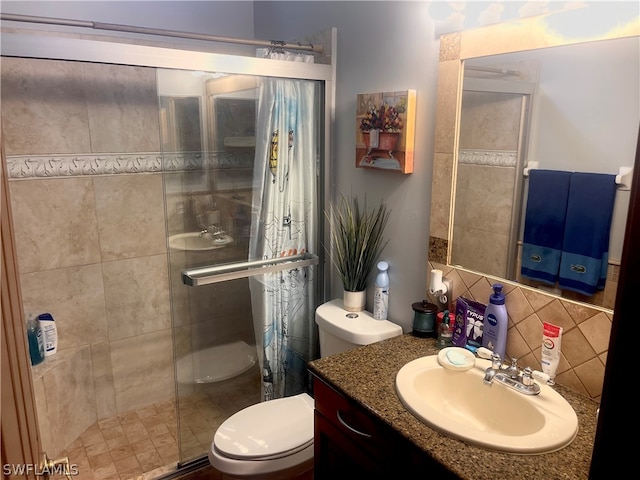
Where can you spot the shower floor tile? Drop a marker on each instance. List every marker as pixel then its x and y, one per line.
pixel 143 444
pixel 127 446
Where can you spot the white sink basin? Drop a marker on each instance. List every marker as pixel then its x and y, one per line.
pixel 457 403
pixel 193 241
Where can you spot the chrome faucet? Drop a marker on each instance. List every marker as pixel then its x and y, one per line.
pixel 213 231
pixel 511 376
pixel 490 373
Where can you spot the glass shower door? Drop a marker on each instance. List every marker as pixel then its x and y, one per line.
pixel 209 130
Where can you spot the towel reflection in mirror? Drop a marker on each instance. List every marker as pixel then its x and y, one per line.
pixel 567 229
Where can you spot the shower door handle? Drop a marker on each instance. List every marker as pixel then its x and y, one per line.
pixel 221 273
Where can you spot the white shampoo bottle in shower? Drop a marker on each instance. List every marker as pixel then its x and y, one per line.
pixel 49 332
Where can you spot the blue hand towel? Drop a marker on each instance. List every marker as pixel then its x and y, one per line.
pixel 585 250
pixel 544 224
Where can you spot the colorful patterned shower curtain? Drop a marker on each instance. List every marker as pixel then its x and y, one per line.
pixel 284 223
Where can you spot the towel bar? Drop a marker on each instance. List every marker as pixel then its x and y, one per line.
pixel 623 178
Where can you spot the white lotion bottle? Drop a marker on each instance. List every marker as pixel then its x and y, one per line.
pixel 381 293
pixel 49 332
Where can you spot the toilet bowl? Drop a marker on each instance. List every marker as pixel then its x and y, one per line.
pixel 269 440
pixel 274 439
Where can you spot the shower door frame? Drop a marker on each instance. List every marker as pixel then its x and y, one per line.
pixel 53 46
pixel 527 92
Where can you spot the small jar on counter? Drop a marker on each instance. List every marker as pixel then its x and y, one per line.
pixel 424 319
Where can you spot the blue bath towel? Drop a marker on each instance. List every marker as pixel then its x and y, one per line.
pixel 544 224
pixel 583 267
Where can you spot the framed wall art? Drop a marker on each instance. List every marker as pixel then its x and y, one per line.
pixel 385 130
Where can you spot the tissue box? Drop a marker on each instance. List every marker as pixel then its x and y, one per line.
pixel 469 323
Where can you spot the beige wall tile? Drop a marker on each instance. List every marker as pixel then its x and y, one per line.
pixel 536 299
pixel 555 314
pixel 480 250
pixel 44 109
pixel 481 290
pixel 571 380
pixel 531 330
pixel 487 197
pixel 517 306
pixel 580 313
pixel 490 120
pixel 48 444
pixel 123 108
pixel 55 223
pixel 103 380
pixel 576 348
pixel 75 298
pixel 448 74
pixel 137 296
pixel 71 398
pixel 516 345
pixel 591 374
pixel 130 213
pixel 142 370
pixel 441 198
pixel 597 331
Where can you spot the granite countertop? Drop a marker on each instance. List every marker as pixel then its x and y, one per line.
pixel 374 388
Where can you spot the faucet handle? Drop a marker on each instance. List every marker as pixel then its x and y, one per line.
pixel 527 377
pixel 496 361
pixel 484 352
pixel 513 369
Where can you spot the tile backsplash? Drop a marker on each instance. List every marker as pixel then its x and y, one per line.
pixel 586 329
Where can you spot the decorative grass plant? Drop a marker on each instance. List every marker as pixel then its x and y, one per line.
pixel 356 233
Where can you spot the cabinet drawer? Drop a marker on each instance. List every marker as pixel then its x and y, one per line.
pixel 348 417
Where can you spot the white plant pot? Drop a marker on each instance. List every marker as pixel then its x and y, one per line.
pixel 354 301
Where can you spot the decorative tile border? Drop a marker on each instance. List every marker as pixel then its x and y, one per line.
pixel 492 158
pixel 71 165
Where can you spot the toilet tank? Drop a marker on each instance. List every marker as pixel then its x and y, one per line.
pixel 340 330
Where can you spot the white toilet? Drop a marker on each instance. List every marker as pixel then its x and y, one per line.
pixel 274 439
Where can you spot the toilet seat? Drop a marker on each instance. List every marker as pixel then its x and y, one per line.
pixel 266 437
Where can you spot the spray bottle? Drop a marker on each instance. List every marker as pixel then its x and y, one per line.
pixel 381 293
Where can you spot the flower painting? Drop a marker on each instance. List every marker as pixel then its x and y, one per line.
pixel 386 130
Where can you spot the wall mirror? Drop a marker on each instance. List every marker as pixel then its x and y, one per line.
pixel 517 95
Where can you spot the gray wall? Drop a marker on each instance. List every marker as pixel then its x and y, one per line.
pixel 231 18
pixel 382 46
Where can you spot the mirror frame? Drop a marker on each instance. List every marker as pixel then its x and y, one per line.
pixel 509 37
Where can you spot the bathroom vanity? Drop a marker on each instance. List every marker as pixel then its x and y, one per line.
pixel 361 427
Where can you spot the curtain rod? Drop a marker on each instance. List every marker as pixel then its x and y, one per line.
pixel 158 31
pixel 502 71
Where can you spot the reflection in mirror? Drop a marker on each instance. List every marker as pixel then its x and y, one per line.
pixel 573 108
pixel 180 122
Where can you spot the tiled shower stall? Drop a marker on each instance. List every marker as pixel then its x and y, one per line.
pixel 88 198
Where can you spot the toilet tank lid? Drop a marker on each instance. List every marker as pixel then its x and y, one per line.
pixel 267 429
pixel 362 329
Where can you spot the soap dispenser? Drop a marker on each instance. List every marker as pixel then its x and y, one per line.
pixel 496 322
pixel 445 335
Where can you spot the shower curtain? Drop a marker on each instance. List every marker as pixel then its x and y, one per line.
pixel 284 223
